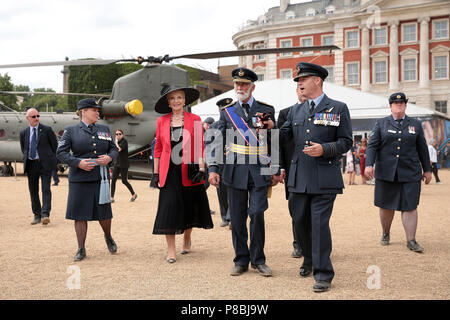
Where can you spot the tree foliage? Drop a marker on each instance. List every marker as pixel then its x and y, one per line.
pixel 7 85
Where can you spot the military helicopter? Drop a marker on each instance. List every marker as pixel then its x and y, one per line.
pixel 130 106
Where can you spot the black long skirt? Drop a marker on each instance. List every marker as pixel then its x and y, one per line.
pixel 179 207
pixel 82 202
pixel 399 196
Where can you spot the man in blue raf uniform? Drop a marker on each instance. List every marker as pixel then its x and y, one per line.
pixel 247 180
pixel 397 147
pixel 322 131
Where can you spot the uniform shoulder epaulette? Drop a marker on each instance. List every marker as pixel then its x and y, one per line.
pixel 228 105
pixel 266 104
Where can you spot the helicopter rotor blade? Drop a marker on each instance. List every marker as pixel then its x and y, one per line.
pixel 56 94
pixel 249 52
pixel 62 63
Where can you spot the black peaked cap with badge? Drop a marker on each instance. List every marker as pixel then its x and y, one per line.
pixel 224 102
pixel 310 69
pixel 87 103
pixel 398 96
pixel 243 75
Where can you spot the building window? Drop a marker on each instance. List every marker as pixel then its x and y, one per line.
pixel 380 36
pixel 259 56
pixel 380 71
pixel 260 76
pixel 440 67
pixel 409 69
pixel 441 106
pixel 330 77
pixel 286 44
pixel 329 9
pixel 440 29
pixel 352 39
pixel 286 74
pixel 409 32
pixel 310 12
pixel 352 73
pixel 306 42
pixel 328 40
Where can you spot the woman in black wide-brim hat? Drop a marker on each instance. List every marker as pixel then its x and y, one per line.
pixel 179 170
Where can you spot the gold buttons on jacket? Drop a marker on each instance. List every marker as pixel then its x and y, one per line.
pixel 95 152
pixel 398 148
pixel 398 156
pixel 309 119
pixel 307 131
pixel 399 139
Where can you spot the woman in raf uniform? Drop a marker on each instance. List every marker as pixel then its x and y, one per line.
pixel 399 151
pixel 179 170
pixel 88 148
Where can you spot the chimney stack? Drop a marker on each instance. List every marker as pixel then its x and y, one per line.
pixel 283 5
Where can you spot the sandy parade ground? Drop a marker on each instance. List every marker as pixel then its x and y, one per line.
pixel 36 262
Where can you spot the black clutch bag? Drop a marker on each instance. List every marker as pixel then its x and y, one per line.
pixel 193 169
pixel 194 173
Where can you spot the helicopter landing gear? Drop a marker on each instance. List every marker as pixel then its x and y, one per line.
pixel 6 170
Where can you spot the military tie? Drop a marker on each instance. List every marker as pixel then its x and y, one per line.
pixel 91 128
pixel 311 107
pixel 33 145
pixel 399 121
pixel 246 108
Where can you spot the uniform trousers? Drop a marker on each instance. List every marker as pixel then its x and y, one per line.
pixel 248 203
pixel 34 172
pixel 311 216
pixel 222 195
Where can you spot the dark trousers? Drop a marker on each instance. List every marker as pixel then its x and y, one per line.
pixel 296 242
pixel 311 216
pixel 124 175
pixel 434 169
pixel 34 172
pixel 55 176
pixel 248 203
pixel 222 195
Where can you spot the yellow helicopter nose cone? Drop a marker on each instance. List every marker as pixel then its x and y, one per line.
pixel 134 107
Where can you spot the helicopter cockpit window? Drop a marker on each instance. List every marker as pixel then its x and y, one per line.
pixel 2 133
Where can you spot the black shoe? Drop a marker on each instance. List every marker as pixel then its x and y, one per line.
pixel 238 270
pixel 263 269
pixel 36 220
pixel 55 184
pixel 224 223
pixel 133 197
pixel 321 286
pixel 297 253
pixel 45 220
pixel 212 212
pixel 81 254
pixel 305 270
pixel 112 247
pixel 414 246
pixel 385 238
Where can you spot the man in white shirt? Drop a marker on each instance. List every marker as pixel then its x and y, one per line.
pixel 433 158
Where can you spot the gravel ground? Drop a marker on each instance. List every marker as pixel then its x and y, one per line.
pixel 36 262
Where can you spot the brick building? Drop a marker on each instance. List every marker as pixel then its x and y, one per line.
pixel 386 45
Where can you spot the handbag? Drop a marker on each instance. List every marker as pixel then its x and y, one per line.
pixel 194 173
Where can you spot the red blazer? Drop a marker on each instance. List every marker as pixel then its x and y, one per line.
pixel 192 149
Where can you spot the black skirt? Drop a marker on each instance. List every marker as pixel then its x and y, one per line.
pixel 82 202
pixel 179 207
pixel 399 196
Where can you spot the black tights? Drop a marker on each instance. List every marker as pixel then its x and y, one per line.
pixel 82 226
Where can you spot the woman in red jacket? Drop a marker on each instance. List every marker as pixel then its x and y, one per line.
pixel 179 170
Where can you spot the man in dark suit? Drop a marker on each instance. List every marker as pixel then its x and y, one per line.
pixel 246 172
pixel 322 131
pixel 286 151
pixel 38 144
pixel 398 149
